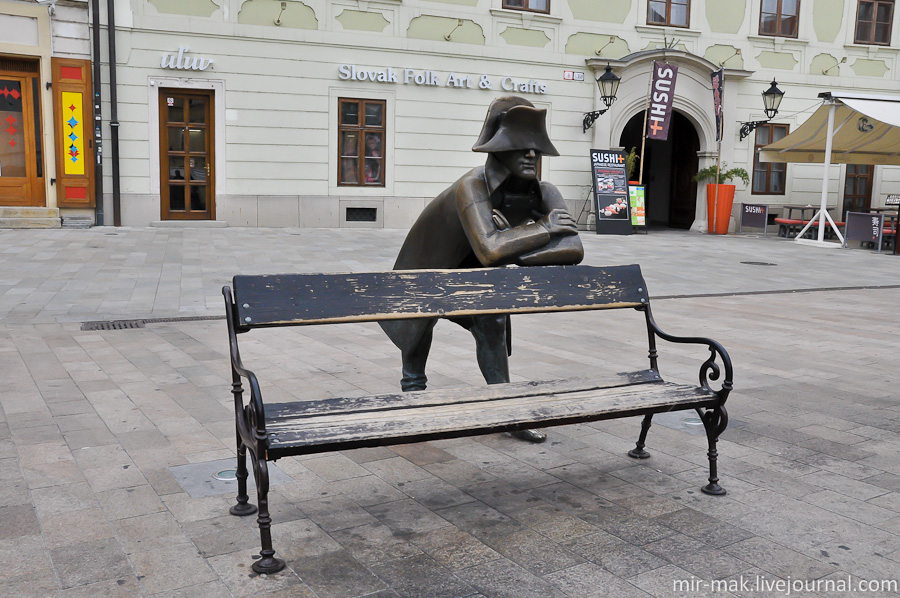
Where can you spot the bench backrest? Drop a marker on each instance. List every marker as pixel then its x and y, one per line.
pixel 301 299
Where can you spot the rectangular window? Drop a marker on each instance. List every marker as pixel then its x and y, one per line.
pixel 873 22
pixel 361 142
pixel 858 188
pixel 532 5
pixel 768 177
pixel 673 13
pixel 779 17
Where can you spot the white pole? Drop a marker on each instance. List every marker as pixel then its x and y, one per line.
pixel 823 208
pixel 822 214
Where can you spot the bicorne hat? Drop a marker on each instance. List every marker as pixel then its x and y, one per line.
pixel 513 123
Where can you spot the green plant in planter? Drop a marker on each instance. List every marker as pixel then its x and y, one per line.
pixel 631 159
pixel 725 174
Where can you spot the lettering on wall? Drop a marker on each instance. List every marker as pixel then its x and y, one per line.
pixel 429 78
pixel 181 61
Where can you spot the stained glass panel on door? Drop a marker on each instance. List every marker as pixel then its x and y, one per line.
pixel 12 130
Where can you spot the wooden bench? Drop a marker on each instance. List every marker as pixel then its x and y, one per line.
pixel 271 431
pixel 789 227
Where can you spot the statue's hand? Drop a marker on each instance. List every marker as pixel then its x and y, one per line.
pixel 559 223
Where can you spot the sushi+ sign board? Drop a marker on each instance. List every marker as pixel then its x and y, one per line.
pixel 610 182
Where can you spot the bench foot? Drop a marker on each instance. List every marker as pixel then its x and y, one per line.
pixel 242 509
pixel 638 451
pixel 268 564
pixel 713 489
pixel 715 421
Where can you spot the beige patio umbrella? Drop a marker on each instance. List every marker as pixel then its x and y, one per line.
pixel 847 129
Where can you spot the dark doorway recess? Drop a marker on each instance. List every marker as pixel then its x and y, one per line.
pixel 669 167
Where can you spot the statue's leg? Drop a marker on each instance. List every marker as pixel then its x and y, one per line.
pixel 414 356
pixel 493 359
pixel 490 347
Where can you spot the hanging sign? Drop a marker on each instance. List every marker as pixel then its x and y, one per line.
pixel 662 92
pixel 718 87
pixel 610 182
pixel 892 200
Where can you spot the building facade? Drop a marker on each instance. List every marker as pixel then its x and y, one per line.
pixel 355 113
pixel 46 131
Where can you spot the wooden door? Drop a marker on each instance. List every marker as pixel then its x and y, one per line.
pixel 186 155
pixel 73 118
pixel 21 149
pixel 858 188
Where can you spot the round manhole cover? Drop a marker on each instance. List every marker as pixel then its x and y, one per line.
pixel 694 421
pixel 226 475
pixel 759 263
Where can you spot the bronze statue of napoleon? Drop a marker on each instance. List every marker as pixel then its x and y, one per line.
pixel 495 215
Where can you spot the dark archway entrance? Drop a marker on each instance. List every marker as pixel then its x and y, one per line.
pixel 669 167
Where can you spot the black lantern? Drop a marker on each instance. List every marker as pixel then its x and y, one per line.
pixel 608 83
pixel 771 101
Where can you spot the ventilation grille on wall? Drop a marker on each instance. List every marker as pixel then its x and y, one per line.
pixel 362 214
pixel 18 66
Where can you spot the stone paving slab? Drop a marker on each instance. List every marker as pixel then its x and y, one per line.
pixel 93 424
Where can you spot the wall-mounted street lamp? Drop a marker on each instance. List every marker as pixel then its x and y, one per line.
pixel 771 101
pixel 608 83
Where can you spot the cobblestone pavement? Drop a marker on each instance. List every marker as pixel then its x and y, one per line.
pixel 109 439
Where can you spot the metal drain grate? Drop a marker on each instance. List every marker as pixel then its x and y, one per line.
pixel 181 319
pixel 129 324
pixel 113 325
pixel 759 263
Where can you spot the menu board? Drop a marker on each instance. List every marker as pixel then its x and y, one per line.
pixel 610 182
pixel 865 227
pixel 636 202
pixel 754 215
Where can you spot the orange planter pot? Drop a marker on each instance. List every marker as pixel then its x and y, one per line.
pixel 719 203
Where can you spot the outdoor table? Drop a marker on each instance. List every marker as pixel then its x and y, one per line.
pixel 789 211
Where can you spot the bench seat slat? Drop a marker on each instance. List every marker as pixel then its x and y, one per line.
pixel 413 400
pixel 288 433
pixel 298 299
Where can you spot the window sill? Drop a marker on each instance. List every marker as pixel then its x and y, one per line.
pixel 778 42
pixel 666 29
pixel 869 50
pixel 526 16
pixel 783 38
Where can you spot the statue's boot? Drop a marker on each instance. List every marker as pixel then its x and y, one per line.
pixel 535 436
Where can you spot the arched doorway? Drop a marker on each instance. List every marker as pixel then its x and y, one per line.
pixel 669 168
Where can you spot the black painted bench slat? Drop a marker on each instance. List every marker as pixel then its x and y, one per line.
pixel 303 427
pixel 302 299
pixel 458 412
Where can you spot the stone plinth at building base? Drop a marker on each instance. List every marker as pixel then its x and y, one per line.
pixel 29 218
